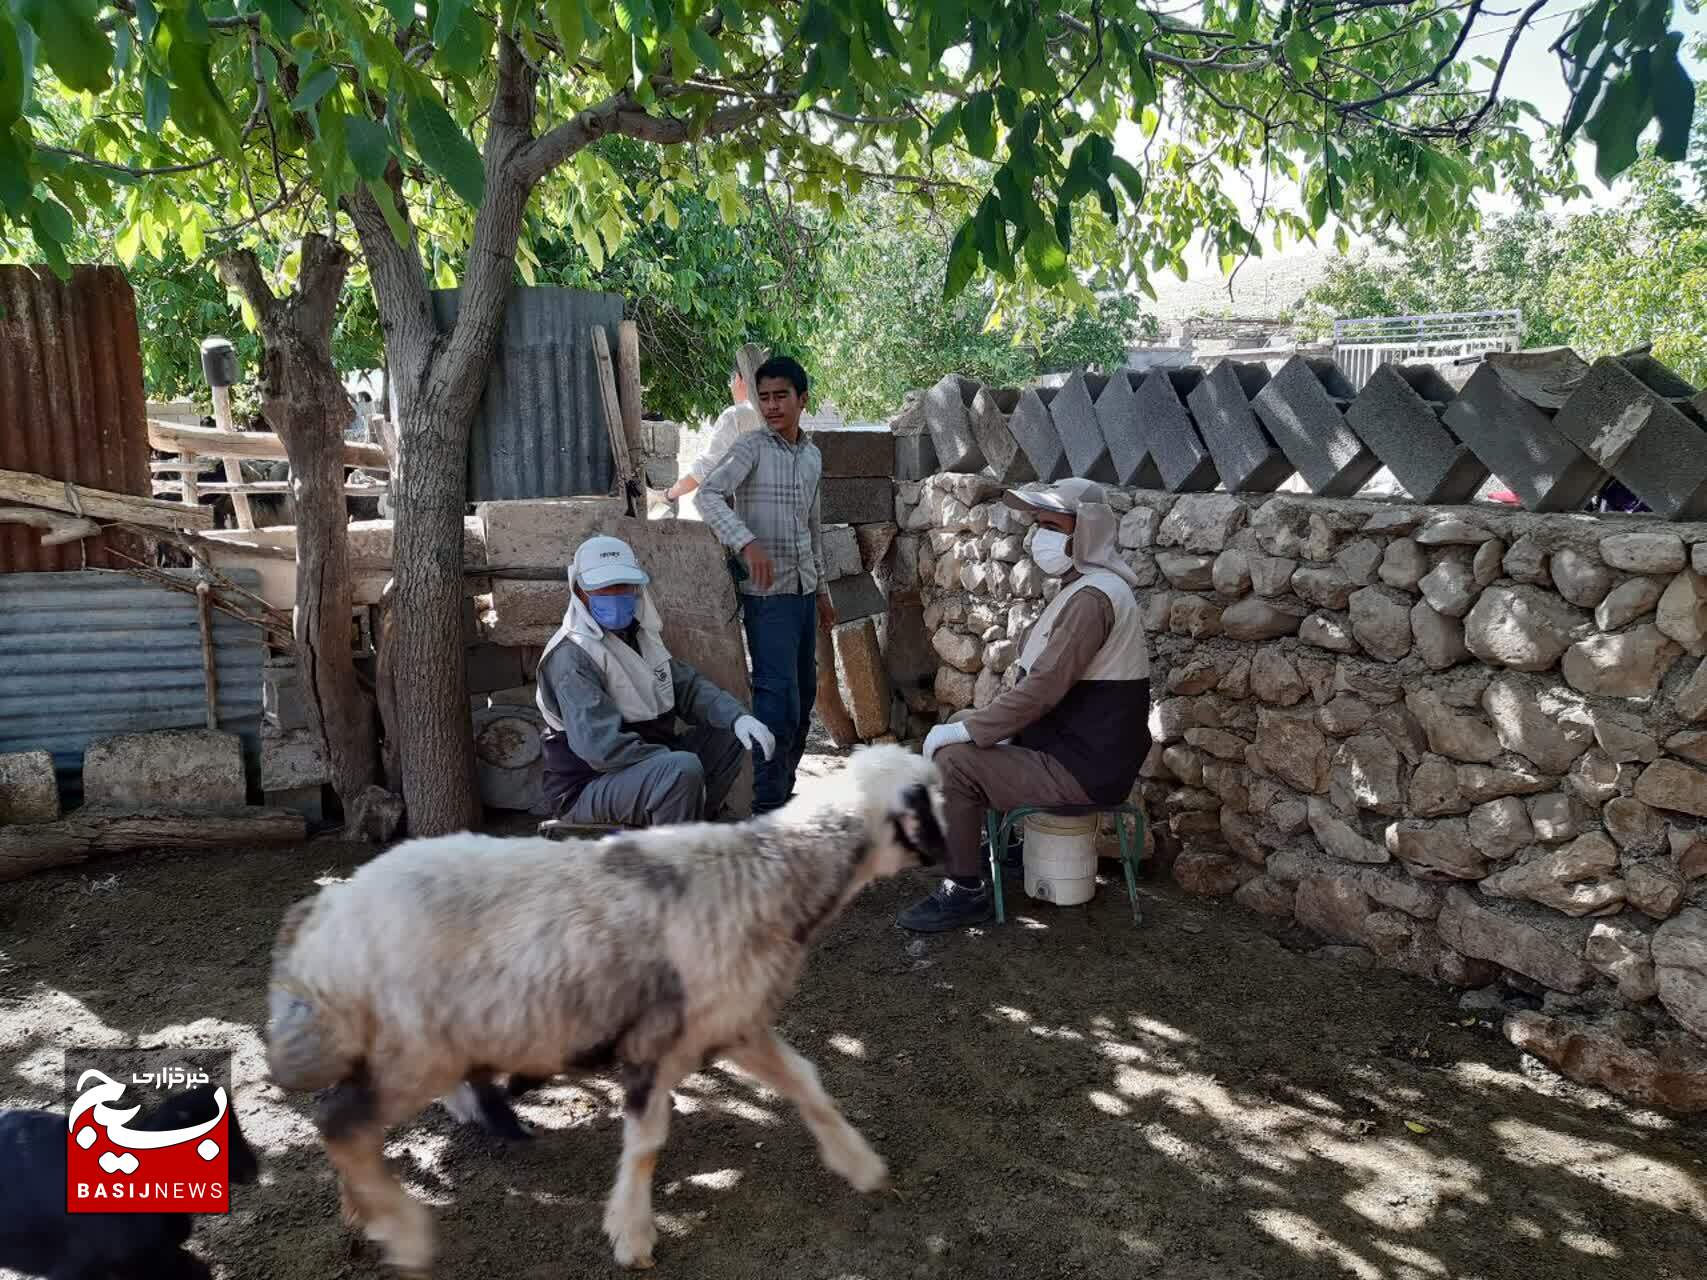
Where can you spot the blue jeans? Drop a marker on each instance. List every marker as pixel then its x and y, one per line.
pixel 782 637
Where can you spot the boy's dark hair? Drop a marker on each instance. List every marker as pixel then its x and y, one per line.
pixel 782 367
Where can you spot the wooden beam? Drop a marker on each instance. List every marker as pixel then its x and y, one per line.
pixel 57 528
pixel 271 486
pixel 37 846
pixel 626 483
pixel 628 382
pixel 99 504
pixel 233 465
pixel 175 437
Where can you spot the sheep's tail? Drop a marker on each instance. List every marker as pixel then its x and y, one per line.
pixel 300 1054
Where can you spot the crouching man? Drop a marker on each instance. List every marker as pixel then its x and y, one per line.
pixel 1075 729
pixel 611 695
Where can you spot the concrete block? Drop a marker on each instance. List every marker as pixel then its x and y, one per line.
pixel 1398 415
pixel 858 500
pixel 860 676
pixel 1075 416
pixel 1303 406
pixel 1633 416
pixel 874 541
pixel 509 760
pixel 856 451
pixel 282 701
pixel 191 769
pixel 1246 456
pixel 491 667
pixel 841 551
pixel 1004 460
pixel 292 758
pixel 1033 426
pixel 857 597
pixel 661 473
pixel 543 533
pixel 660 438
pixel 915 458
pixel 1505 414
pixel 946 408
pixel 907 653
pixel 28 792
pixel 1128 450
pixel 1171 439
pixel 309 801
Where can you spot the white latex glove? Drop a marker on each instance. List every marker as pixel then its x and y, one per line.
pixel 752 732
pixel 945 735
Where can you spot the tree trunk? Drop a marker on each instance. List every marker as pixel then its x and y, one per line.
pixel 304 402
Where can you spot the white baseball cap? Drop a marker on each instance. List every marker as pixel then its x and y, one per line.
pixel 603 561
pixel 1063 496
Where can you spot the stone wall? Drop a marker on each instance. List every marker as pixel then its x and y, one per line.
pixel 1463 742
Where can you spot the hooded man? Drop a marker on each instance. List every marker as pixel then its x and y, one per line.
pixel 611 695
pixel 1075 729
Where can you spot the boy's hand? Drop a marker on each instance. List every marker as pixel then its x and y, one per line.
pixel 759 565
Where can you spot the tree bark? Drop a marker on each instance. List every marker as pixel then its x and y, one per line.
pixel 304 402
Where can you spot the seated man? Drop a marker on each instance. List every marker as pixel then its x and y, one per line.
pixel 611 693
pixel 1075 729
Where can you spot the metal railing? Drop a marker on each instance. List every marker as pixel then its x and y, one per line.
pixel 1363 344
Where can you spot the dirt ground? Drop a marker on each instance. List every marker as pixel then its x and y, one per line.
pixel 1196 1099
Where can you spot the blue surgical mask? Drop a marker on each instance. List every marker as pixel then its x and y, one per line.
pixel 613 612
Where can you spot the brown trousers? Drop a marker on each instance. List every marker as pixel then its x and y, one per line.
pixel 979 778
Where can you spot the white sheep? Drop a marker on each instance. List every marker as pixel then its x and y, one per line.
pixel 649 954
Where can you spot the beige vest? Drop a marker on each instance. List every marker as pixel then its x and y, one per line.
pixel 1125 655
pixel 640 684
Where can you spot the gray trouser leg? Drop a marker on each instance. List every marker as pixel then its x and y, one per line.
pixel 721 754
pixel 664 789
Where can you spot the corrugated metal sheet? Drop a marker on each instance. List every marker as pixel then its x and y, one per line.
pixel 71 399
pixel 540 429
pixel 84 655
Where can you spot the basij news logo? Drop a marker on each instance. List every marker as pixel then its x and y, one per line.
pixel 148 1131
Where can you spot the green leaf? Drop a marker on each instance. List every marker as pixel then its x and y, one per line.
pixel 962 261
pixel 129 242
pixel 147 18
pixel 388 206
pixel 1673 98
pixel 572 32
pixel 465 49
pixel 287 18
pixel 450 13
pixel 943 131
pixel 975 124
pixel 190 238
pixel 1303 51
pixel 14 174
pixel 1124 172
pixel 402 11
pixel 156 101
pixel 446 149
pixel 1045 256
pixel 314 87
pixel 370 146
pixel 709 54
pixel 633 15
pixel 51 244
pixel 1583 99
pixel 12 79
pixel 73 44
pixel 1618 125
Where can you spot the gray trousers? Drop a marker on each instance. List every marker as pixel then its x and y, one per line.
pixel 684 785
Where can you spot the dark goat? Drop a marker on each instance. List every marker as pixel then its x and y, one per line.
pixel 40 1238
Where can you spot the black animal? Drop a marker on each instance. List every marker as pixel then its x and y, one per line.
pixel 40 1238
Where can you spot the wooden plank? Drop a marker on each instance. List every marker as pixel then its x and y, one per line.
pixel 99 504
pixel 628 382
pixel 351 490
pixel 73 838
pixel 233 466
pixel 56 527
pixel 201 466
pixel 175 437
pixel 625 474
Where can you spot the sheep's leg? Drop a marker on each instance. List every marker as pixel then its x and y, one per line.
pixel 842 1148
pixel 645 1125
pixel 390 1216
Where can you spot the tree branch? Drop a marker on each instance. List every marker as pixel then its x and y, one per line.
pixel 241 270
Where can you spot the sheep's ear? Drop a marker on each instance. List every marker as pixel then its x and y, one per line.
pixel 916 825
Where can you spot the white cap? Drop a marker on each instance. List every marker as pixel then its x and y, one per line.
pixel 1064 496
pixel 603 561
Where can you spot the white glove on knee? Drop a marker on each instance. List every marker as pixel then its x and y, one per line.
pixel 945 735
pixel 752 732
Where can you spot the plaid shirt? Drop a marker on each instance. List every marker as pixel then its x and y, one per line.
pixel 767 489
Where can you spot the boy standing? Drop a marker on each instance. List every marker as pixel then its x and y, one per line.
pixel 762 502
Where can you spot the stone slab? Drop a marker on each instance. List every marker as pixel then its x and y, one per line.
pixel 282 701
pixel 857 500
pixel 1398 414
pixel 857 596
pixel 907 652
pixel 28 792
pixel 856 451
pixel 861 676
pixel 309 801
pixel 1128 449
pixel 543 533
pixel 841 551
pixel 1246 456
pixel 1075 416
pixel 1505 414
pixel 1303 407
pixel 915 458
pixel 292 758
pixel 1033 426
pixel 946 417
pixel 1004 460
pixel 489 667
pixel 1631 415
pixel 195 770
pixel 1171 438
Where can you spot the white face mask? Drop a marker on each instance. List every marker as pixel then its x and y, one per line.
pixel 1049 549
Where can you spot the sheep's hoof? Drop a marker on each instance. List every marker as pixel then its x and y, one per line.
pixel 633 1247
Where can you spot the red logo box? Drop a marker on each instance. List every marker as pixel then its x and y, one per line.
pixel 131 1148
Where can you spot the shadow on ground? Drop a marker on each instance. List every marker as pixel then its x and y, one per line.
pixel 1065 1096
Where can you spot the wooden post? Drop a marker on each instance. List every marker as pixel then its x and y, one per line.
pixel 192 468
pixel 210 668
pixel 626 483
pixel 628 384
pixel 233 470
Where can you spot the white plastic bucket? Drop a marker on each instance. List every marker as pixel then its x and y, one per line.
pixel 1061 858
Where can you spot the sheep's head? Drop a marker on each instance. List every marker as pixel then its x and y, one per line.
pixel 901 795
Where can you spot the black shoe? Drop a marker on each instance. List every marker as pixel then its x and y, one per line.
pixel 947 907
